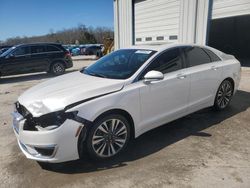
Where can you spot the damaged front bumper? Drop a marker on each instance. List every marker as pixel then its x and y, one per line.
pixel 56 145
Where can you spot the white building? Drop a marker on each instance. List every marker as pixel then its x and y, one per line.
pixel 224 24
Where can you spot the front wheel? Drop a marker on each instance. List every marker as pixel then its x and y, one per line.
pixel 224 95
pixel 108 137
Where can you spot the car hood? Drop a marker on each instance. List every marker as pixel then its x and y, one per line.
pixel 55 94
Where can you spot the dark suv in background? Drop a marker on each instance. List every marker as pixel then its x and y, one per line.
pixel 28 58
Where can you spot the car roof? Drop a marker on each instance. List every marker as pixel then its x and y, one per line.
pixel 161 47
pixel 38 43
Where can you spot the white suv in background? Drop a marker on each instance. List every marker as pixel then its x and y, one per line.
pixel 121 96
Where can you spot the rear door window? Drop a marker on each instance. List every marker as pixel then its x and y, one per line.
pixel 212 55
pixel 38 49
pixel 196 56
pixel 51 48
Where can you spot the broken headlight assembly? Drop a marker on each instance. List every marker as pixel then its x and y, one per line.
pixel 48 121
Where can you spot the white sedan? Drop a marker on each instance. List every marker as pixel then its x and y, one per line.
pixel 118 98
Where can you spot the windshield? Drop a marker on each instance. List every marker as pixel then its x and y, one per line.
pixel 7 52
pixel 120 64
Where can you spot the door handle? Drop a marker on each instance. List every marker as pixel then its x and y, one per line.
pixel 181 76
pixel 214 68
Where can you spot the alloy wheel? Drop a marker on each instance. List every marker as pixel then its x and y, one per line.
pixel 224 94
pixel 58 68
pixel 109 138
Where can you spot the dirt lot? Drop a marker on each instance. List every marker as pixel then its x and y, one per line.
pixel 205 149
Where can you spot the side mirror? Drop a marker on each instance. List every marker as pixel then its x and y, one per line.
pixel 153 76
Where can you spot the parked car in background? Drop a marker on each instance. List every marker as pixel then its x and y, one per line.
pixel 2 50
pixel 75 51
pixel 5 46
pixel 38 57
pixel 121 96
pixel 86 49
pixel 83 49
pixel 93 50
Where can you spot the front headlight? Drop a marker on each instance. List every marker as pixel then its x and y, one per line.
pixel 48 121
pixel 54 118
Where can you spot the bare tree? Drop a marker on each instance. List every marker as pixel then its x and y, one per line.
pixel 81 33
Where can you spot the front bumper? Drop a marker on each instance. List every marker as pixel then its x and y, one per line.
pixel 54 146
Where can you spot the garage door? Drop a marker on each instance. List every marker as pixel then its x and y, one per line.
pixel 230 28
pixel 229 8
pixel 156 21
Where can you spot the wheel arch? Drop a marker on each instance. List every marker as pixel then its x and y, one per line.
pixel 215 106
pixel 57 61
pixel 81 143
pixel 230 80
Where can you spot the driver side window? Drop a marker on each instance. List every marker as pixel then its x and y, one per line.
pixel 168 61
pixel 21 51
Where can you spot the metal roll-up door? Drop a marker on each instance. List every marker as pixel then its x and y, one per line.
pixel 156 21
pixel 230 28
pixel 230 8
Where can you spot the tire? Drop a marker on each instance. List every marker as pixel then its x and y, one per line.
pixel 224 95
pixel 108 137
pixel 57 68
pixel 45 166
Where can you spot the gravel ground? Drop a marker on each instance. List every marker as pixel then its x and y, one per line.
pixel 204 149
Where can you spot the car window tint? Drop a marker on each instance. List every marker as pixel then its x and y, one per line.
pixel 21 51
pixel 212 55
pixel 196 56
pixel 167 62
pixel 52 49
pixel 37 49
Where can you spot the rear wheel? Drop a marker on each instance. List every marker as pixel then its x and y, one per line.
pixel 108 137
pixel 224 95
pixel 57 68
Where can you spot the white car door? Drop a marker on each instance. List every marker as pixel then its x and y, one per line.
pixel 204 77
pixel 165 100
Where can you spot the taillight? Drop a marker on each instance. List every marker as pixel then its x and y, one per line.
pixel 67 54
